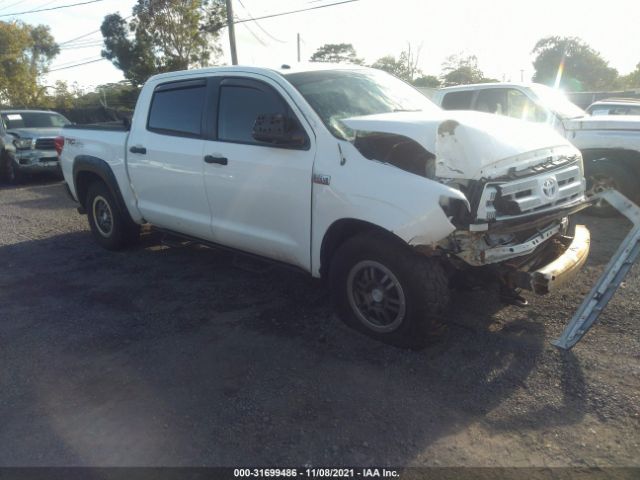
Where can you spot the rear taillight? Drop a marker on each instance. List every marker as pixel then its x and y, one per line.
pixel 58 143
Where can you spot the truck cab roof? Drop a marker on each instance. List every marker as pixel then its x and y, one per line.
pixel 283 69
pixel 477 86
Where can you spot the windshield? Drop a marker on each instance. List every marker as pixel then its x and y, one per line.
pixel 556 101
pixel 339 94
pixel 13 120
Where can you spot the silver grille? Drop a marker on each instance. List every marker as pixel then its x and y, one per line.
pixel 538 193
pixel 45 144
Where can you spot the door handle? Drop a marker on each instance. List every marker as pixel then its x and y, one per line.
pixel 140 150
pixel 218 160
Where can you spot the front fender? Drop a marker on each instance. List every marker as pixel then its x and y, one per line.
pixel 400 202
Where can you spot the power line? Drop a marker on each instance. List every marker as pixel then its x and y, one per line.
pixel 78 38
pixel 51 8
pixel 73 62
pixel 77 65
pixel 260 26
pixel 12 4
pixel 87 34
pixel 253 19
pixel 253 34
pixel 84 45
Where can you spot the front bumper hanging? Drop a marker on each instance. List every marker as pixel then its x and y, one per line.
pixel 563 269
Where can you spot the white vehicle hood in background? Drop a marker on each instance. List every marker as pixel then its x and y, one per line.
pixel 466 143
pixel 604 122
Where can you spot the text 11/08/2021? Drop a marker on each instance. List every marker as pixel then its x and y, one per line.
pixel 316 472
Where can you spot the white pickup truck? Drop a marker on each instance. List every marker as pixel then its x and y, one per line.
pixel 610 144
pixel 346 173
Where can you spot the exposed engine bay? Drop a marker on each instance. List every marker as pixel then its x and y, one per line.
pixel 512 218
pixel 397 150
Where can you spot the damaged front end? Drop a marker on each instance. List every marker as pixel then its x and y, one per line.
pixel 538 260
pixel 522 183
pixel 518 225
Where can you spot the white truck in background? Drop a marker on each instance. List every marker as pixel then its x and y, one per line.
pixel 346 173
pixel 610 145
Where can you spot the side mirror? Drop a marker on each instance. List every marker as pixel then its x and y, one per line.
pixel 277 129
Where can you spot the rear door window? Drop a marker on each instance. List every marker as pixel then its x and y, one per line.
pixel 458 100
pixel 176 108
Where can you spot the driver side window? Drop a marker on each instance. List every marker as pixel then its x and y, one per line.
pixel 238 108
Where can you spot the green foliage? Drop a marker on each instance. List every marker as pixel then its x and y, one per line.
pixel 584 68
pixel 121 95
pixel 631 80
pixel 430 81
pixel 462 70
pixel 25 54
pixel 163 36
pixel 391 65
pixel 336 53
pixel 404 67
pixel 61 96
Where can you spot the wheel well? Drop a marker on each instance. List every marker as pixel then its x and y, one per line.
pixel 628 158
pixel 83 180
pixel 342 230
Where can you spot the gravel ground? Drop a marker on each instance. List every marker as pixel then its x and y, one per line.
pixel 194 356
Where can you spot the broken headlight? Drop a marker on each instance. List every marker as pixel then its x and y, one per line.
pixel 23 143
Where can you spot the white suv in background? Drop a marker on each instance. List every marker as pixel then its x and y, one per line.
pixel 615 106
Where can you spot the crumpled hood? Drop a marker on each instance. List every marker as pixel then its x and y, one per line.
pixel 35 132
pixel 604 122
pixel 466 144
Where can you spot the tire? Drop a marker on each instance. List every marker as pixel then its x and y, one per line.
pixel 384 289
pixel 109 225
pixel 604 174
pixel 10 173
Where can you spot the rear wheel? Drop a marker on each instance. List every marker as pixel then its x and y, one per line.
pixel 604 175
pixel 387 291
pixel 109 225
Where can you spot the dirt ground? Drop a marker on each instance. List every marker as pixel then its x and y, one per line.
pixel 194 356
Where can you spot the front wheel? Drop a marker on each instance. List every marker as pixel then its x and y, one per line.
pixel 384 289
pixel 10 171
pixel 604 175
pixel 110 228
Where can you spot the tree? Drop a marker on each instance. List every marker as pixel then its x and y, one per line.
pixel 405 67
pixel 25 54
pixel 462 70
pixel 429 81
pixel 62 96
pixel 391 65
pixel 631 80
pixel 336 53
pixel 576 64
pixel 164 35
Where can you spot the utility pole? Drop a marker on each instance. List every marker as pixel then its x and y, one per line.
pixel 298 42
pixel 232 33
pixel 522 75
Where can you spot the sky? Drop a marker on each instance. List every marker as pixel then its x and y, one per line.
pixel 501 33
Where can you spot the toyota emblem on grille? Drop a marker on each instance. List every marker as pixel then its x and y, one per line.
pixel 550 187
